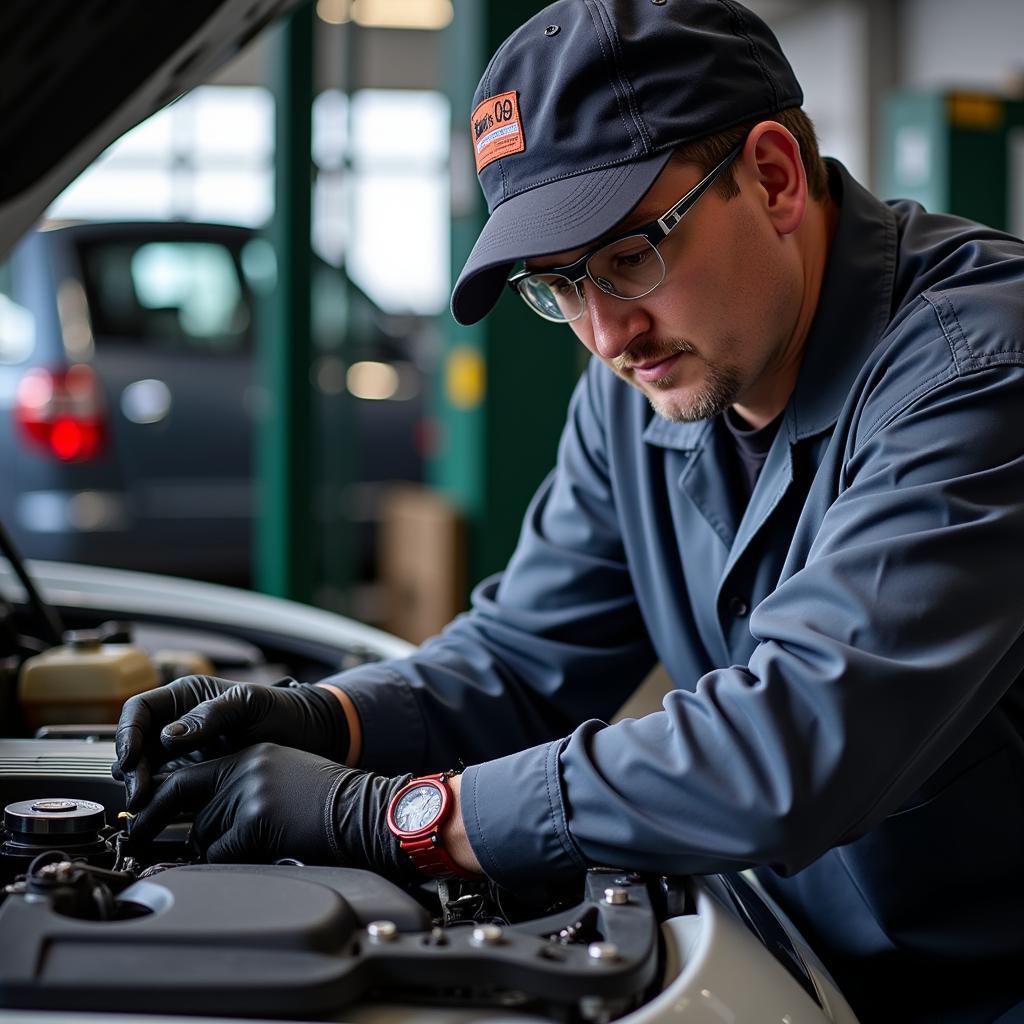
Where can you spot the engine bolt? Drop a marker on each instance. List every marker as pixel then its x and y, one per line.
pixel 616 896
pixel 602 952
pixel 382 931
pixel 487 935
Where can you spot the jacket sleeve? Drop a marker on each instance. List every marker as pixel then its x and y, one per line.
pixel 877 656
pixel 553 640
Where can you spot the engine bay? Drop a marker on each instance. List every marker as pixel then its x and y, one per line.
pixel 87 923
pixel 91 922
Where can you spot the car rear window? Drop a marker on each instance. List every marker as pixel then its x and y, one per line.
pixel 167 294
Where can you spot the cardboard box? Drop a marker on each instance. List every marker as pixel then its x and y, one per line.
pixel 422 561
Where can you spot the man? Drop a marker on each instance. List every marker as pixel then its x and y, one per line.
pixel 792 473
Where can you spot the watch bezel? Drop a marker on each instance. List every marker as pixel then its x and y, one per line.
pixel 435 823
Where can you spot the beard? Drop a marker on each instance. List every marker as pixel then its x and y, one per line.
pixel 720 387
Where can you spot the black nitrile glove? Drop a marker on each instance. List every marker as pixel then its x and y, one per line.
pixel 267 802
pixel 197 718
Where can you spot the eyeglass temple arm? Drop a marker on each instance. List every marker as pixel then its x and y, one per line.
pixel 668 220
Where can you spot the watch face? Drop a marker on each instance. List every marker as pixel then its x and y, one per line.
pixel 418 808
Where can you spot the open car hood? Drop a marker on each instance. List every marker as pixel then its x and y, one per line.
pixel 75 77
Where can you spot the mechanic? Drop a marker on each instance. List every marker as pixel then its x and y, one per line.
pixel 793 473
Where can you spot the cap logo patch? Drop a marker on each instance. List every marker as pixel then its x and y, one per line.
pixel 497 129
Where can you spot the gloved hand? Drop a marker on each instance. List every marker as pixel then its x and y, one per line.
pixel 197 718
pixel 267 802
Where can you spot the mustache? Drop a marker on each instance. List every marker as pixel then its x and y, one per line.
pixel 649 350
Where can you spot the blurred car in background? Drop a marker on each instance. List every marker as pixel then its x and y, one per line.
pixel 127 376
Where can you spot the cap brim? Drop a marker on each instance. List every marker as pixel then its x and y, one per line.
pixel 555 217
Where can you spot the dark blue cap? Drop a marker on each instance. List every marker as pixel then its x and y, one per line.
pixel 581 108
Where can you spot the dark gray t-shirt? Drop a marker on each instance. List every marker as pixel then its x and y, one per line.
pixel 752 444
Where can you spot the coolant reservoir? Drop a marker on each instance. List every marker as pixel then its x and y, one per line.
pixel 85 680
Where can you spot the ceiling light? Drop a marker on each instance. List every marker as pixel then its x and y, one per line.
pixel 334 12
pixel 427 14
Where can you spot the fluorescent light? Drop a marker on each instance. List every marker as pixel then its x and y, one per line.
pixel 429 14
pixel 334 12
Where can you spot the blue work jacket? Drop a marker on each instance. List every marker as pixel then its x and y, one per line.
pixel 847 651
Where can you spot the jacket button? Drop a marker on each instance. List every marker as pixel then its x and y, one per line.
pixel 738 607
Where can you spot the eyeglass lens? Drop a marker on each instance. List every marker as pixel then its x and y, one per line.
pixel 554 296
pixel 627 268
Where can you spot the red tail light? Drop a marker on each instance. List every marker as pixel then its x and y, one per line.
pixel 62 412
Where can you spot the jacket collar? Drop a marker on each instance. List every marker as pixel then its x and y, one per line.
pixel 853 310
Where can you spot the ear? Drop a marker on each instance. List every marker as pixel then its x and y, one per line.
pixel 773 156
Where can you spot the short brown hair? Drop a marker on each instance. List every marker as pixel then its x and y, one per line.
pixel 711 149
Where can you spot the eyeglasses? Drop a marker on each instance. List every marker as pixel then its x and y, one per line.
pixel 628 267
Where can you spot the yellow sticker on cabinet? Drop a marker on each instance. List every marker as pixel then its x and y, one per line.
pixel 465 377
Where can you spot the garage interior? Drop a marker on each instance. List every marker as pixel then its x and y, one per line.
pixel 227 357
pixel 918 98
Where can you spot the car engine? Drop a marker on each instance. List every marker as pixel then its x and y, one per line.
pixel 91 924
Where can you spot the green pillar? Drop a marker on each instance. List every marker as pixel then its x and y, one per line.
pixel 948 150
pixel 336 444
pixel 284 442
pixel 505 382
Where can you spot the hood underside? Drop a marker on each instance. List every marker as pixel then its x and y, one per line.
pixel 75 77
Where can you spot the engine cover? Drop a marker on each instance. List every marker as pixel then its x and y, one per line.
pixel 292 940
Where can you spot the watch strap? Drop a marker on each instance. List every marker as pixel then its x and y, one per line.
pixel 429 856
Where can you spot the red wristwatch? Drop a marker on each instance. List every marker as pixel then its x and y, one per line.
pixel 415 816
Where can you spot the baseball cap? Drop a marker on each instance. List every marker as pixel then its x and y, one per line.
pixel 581 108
